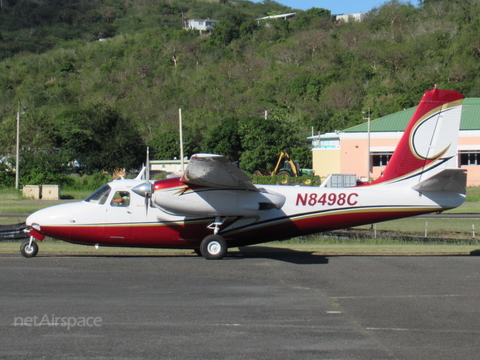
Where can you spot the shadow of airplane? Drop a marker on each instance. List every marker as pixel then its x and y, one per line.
pixel 246 252
pixel 281 254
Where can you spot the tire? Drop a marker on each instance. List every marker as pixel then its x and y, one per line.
pixel 213 247
pixel 284 177
pixel 29 251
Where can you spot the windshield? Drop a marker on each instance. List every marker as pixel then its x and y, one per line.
pixel 99 196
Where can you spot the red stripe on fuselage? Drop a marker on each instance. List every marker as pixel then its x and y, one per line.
pixel 187 235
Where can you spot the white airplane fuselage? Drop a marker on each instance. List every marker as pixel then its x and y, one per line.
pixel 306 210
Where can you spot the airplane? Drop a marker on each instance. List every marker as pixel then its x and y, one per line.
pixel 214 205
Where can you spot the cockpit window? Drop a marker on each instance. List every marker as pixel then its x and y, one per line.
pixel 99 196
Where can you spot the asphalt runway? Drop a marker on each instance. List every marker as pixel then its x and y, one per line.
pixel 259 305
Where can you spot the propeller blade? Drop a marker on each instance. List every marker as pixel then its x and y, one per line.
pixel 147 166
pixel 146 204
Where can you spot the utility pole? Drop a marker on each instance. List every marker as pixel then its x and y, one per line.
pixel 368 143
pixel 17 165
pixel 182 161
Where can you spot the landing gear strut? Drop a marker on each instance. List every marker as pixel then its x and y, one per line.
pixel 29 248
pixel 214 246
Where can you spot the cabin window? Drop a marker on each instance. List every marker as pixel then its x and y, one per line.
pixel 99 196
pixel 381 159
pixel 469 157
pixel 121 198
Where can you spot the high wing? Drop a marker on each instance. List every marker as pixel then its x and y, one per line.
pixel 215 171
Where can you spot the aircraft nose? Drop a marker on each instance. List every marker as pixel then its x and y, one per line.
pixel 34 221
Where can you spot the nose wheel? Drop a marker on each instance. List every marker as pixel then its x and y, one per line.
pixel 29 248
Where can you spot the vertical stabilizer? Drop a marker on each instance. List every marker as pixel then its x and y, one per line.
pixel 430 139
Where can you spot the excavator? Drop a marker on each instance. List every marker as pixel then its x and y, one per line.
pixel 290 169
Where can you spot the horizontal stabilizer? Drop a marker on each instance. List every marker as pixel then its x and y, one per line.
pixel 449 180
pixel 215 171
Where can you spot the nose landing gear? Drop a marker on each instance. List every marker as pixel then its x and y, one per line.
pixel 29 248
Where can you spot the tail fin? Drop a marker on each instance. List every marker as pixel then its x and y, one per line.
pixel 430 139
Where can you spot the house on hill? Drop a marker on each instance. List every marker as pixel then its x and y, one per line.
pixel 346 151
pixel 349 17
pixel 202 25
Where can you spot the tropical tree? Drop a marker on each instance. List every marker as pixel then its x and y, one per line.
pixel 99 139
pixel 225 140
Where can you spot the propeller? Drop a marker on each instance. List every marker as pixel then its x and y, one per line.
pixel 145 189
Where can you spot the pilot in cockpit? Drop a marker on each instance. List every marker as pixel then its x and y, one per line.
pixel 121 198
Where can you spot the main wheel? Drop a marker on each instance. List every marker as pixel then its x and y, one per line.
pixel 213 247
pixel 28 250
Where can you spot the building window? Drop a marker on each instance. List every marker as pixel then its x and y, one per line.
pixel 381 159
pixel 469 157
pixel 326 143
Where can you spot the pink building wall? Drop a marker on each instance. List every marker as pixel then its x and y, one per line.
pixel 352 154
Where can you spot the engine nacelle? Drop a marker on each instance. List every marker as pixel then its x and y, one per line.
pixel 217 202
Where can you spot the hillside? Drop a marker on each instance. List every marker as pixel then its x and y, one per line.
pixel 306 72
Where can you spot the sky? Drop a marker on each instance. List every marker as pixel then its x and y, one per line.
pixel 337 6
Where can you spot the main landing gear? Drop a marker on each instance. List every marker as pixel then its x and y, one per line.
pixel 29 248
pixel 214 246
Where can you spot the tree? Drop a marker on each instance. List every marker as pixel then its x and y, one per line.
pixel 165 145
pixel 99 139
pixel 225 140
pixel 263 140
pixel 44 168
pixel 233 25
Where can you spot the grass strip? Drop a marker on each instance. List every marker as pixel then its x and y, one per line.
pixel 346 248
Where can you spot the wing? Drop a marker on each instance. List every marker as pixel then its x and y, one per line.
pixel 215 171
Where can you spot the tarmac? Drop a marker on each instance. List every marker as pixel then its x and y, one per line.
pixel 261 304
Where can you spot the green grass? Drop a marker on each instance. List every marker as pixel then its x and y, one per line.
pixel 12 202
pixel 473 194
pixel 460 229
pixel 466 207
pixel 75 194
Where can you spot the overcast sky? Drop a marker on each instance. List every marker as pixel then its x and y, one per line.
pixel 336 6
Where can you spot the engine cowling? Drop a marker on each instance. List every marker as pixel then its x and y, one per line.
pixel 216 202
